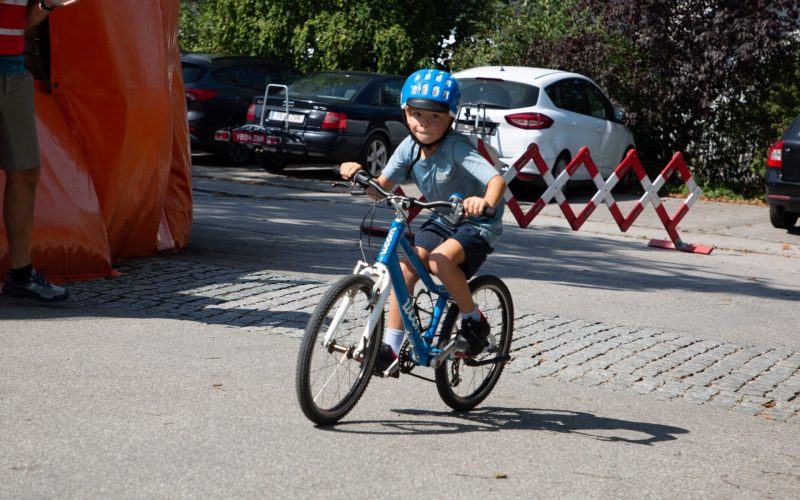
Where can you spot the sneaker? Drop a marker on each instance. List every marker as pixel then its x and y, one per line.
pixel 36 287
pixel 386 357
pixel 472 339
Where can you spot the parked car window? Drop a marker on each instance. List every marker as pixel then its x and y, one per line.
pixel 289 74
pixel 794 130
pixel 235 75
pixel 192 72
pixel 598 104
pixel 343 88
pixel 498 94
pixel 569 94
pixel 261 75
pixel 386 94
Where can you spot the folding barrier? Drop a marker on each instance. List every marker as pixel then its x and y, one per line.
pixel 604 195
pixel 583 159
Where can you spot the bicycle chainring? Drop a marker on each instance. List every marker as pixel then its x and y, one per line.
pixel 406 363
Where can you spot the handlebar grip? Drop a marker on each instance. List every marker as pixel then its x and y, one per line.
pixel 362 177
pixel 337 169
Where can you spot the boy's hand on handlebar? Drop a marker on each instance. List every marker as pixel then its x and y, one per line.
pixel 475 206
pixel 348 169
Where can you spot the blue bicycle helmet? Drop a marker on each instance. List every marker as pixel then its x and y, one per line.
pixel 432 90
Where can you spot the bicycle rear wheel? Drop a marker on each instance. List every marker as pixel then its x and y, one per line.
pixel 330 380
pixel 464 383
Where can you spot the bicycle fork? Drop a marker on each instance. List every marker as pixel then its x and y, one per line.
pixel 380 293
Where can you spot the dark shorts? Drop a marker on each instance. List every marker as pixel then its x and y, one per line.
pixel 476 248
pixel 19 148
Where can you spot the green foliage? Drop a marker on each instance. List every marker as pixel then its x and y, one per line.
pixel 378 35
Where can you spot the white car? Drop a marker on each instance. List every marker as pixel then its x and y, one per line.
pixel 511 107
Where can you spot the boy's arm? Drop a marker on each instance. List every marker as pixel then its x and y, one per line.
pixel 495 189
pixel 349 169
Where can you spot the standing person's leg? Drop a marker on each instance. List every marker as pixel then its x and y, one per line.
pixel 18 203
pixel 19 158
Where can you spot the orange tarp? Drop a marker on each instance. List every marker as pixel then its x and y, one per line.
pixel 116 169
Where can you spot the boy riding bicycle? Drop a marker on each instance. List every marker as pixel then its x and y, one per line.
pixel 442 163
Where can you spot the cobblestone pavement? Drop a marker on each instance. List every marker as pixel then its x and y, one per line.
pixel 652 362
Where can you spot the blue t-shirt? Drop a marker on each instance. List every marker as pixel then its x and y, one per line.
pixel 455 167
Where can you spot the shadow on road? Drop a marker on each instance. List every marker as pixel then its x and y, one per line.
pixel 319 235
pixel 491 419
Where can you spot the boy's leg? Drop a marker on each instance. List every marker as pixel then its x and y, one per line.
pixel 450 262
pixel 394 320
pixel 393 335
pixel 445 263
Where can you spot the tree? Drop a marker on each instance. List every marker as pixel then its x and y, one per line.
pixel 711 78
pixel 387 35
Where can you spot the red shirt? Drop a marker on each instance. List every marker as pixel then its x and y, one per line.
pixel 13 16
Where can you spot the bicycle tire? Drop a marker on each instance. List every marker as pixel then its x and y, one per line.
pixel 316 365
pixel 464 387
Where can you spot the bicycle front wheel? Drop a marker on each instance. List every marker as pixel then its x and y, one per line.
pixel 332 376
pixel 464 383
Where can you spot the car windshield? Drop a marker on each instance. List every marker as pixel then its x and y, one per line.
pixel 497 94
pixel 327 86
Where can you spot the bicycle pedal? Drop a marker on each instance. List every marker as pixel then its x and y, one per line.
pixel 391 374
pixel 393 371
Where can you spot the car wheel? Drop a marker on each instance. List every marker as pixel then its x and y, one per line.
pixel 235 154
pixel 561 164
pixel 781 218
pixel 375 155
pixel 271 162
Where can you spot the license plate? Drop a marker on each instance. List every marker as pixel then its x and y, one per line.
pixel 280 116
pixel 249 137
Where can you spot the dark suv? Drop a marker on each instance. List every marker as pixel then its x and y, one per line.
pixel 218 91
pixel 783 178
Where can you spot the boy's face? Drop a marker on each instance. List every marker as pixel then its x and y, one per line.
pixel 427 126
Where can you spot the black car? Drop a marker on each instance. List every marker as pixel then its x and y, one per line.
pixel 330 116
pixel 219 89
pixel 783 178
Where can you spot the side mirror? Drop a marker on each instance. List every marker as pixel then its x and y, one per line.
pixel 619 115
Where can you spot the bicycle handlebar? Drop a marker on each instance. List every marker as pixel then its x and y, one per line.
pixel 363 179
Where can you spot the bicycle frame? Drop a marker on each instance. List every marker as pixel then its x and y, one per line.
pixel 386 271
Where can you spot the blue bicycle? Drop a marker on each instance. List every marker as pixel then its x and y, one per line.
pixel 341 340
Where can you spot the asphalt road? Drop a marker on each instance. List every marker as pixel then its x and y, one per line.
pixel 140 388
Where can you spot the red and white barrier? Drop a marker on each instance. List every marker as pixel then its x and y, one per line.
pixel 555 187
pixel 604 195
